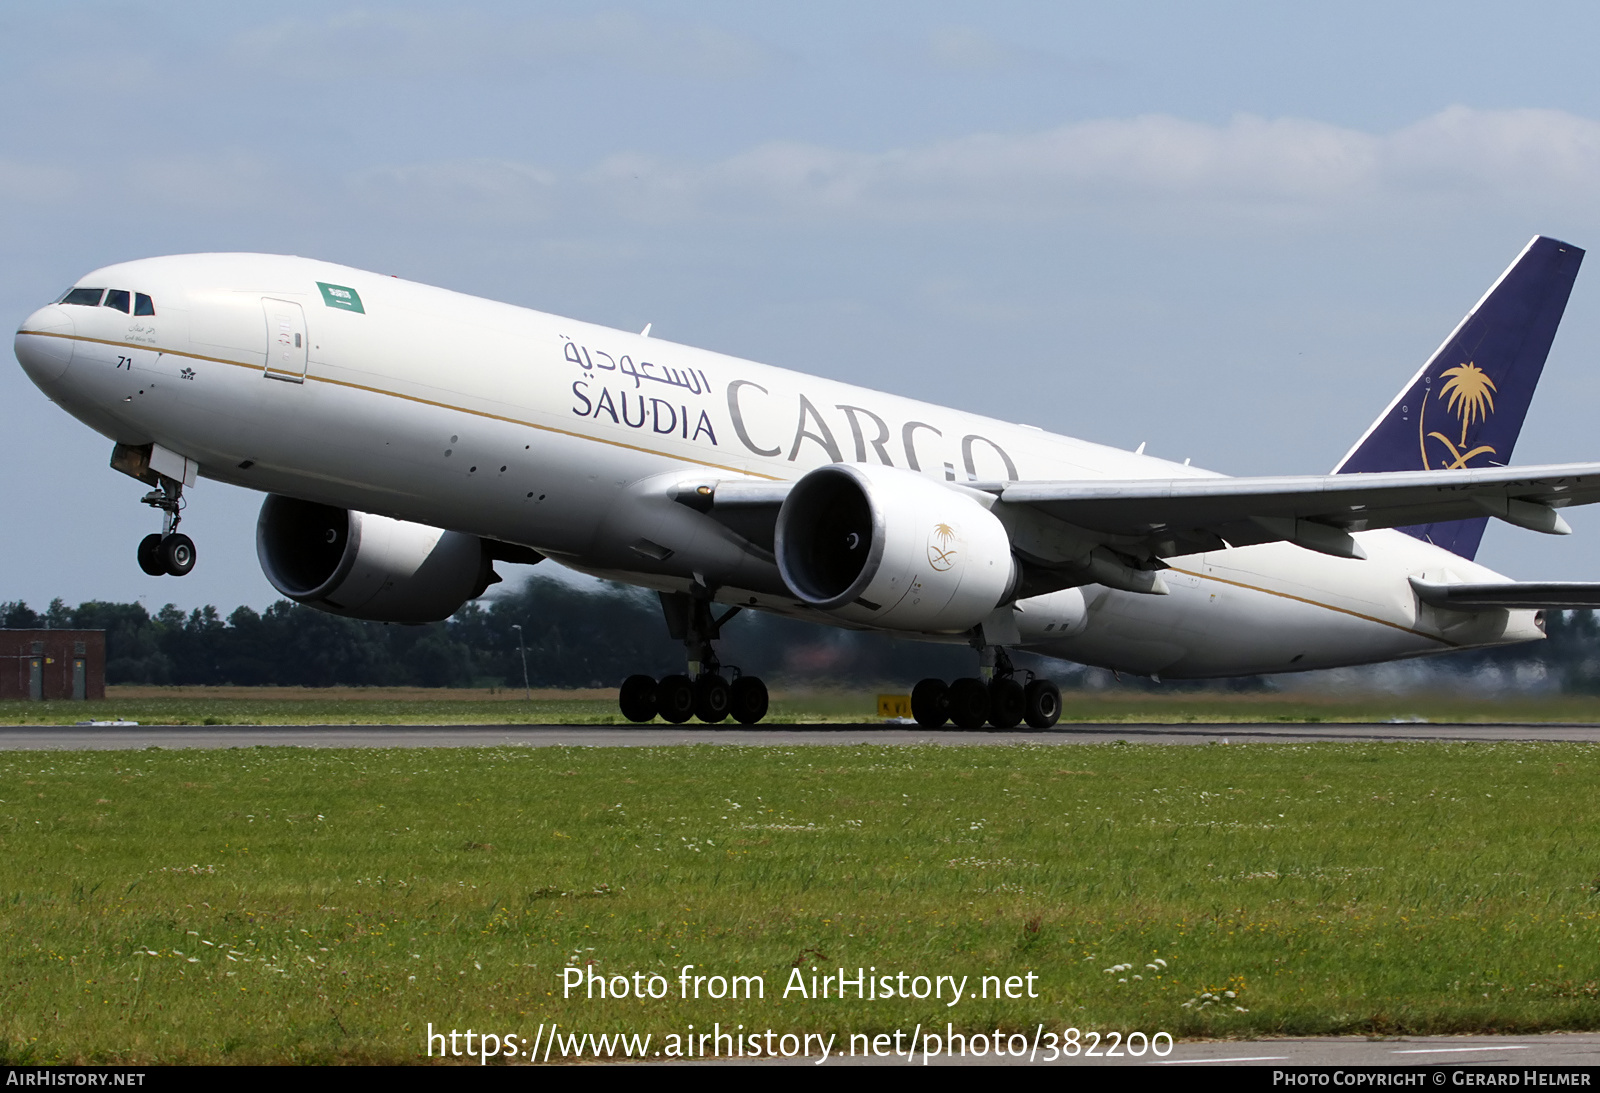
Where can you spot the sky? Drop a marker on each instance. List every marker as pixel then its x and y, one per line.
pixel 1230 231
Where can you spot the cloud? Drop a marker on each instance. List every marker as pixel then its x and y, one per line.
pixel 409 45
pixel 1250 166
pixel 1539 153
pixel 1147 173
pixel 966 49
pixel 222 181
pixel 483 190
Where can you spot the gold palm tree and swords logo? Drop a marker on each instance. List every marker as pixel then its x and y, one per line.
pixel 1468 393
pixel 942 547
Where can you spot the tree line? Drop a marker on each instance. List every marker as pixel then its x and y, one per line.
pixel 572 637
pixel 594 637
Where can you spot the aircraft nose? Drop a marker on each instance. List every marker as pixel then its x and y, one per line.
pixel 44 344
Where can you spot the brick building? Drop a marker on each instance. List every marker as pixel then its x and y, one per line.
pixel 49 665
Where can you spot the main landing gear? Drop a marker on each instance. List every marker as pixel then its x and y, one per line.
pixel 1001 699
pixel 677 698
pixel 702 692
pixel 170 553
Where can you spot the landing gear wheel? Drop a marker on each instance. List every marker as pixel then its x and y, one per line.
pixel 1006 703
pixel 930 703
pixel 637 698
pixel 675 699
pixel 749 700
pixel 1041 704
pixel 969 703
pixel 712 698
pixel 150 556
pixel 177 554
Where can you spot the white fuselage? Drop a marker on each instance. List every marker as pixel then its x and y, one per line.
pixel 458 412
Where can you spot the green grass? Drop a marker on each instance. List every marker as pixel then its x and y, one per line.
pixel 420 706
pixel 1334 888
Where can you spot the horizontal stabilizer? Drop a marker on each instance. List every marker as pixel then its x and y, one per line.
pixel 1537 595
pixel 1167 517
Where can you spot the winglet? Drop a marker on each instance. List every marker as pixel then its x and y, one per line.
pixel 1467 404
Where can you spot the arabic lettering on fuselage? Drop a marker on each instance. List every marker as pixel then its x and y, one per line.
pixel 663 417
pixel 692 380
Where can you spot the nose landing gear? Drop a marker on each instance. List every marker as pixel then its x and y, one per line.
pixel 166 555
pixel 169 553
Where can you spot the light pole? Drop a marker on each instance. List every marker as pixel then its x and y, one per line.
pixel 523 652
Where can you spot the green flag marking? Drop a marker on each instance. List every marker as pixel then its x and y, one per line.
pixel 342 298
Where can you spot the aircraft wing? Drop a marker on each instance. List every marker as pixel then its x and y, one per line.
pixel 1116 532
pixel 1167 517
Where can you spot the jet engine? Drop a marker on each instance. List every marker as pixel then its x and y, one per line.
pixel 893 549
pixel 368 567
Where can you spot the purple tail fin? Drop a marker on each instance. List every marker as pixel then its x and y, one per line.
pixel 1466 407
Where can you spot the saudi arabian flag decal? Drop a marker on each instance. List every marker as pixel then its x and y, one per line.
pixel 344 299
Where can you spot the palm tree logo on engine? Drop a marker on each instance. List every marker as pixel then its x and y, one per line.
pixel 941 547
pixel 1468 393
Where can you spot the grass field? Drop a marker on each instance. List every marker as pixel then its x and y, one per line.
pixel 299 905
pixel 424 706
pixel 384 706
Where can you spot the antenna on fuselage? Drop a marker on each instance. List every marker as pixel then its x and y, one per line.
pixel 645 333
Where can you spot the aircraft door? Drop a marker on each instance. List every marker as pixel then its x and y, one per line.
pixel 286 340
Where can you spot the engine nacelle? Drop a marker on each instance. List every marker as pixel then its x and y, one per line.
pixel 365 566
pixel 891 548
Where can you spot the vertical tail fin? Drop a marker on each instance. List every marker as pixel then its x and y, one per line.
pixel 1466 406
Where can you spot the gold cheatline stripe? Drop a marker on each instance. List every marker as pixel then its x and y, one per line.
pixel 683 459
pixel 1316 603
pixel 411 398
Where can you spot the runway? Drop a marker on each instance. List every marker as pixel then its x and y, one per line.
pixel 111 738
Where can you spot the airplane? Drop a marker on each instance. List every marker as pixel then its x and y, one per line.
pixel 408 437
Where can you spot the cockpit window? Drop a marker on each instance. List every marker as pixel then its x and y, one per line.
pixel 143 305
pixel 117 298
pixel 88 297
